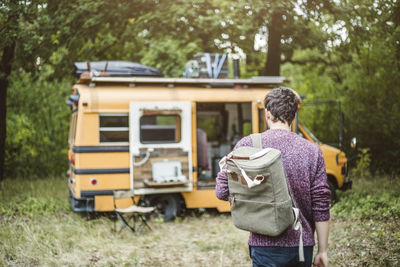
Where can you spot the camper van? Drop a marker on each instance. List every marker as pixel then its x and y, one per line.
pixel 163 138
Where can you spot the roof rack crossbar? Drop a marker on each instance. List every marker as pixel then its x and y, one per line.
pixel 153 80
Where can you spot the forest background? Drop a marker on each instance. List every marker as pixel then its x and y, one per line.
pixel 328 50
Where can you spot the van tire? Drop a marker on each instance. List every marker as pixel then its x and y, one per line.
pixel 332 187
pixel 169 206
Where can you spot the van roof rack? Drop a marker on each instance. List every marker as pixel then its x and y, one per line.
pixel 264 80
pixel 115 68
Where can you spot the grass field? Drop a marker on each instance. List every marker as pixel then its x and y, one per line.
pixel 37 228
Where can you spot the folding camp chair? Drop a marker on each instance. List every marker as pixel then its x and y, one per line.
pixel 133 215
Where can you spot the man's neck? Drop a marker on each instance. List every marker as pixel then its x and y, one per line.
pixel 279 125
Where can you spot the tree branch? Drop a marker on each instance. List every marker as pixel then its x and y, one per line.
pixel 304 62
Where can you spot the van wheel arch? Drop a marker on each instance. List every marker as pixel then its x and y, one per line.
pixel 169 206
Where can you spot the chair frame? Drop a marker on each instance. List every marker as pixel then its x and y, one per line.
pixel 134 212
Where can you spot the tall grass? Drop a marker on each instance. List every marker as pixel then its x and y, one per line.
pixel 365 228
pixel 33 197
pixel 38 228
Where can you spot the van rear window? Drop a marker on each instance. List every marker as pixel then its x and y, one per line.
pixel 160 129
pixel 114 128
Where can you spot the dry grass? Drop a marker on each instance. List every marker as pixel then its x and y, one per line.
pixel 72 240
pixel 49 234
pixel 364 243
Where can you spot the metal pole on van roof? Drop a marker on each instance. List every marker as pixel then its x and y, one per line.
pixel 236 69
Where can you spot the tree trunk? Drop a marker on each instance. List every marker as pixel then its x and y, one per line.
pixel 396 18
pixel 273 64
pixel 5 70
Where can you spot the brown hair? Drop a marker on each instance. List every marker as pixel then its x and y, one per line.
pixel 282 102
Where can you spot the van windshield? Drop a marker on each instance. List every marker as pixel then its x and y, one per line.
pixel 315 139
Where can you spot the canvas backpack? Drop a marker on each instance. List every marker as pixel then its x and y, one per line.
pixel 259 195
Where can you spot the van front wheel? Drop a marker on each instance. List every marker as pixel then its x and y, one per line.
pixel 332 187
pixel 169 206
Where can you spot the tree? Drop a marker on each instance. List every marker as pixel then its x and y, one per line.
pixel 329 49
pixel 5 70
pixel 14 17
pixel 360 67
pixel 34 32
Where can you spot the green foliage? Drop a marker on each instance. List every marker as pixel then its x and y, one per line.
pixel 371 198
pixel 360 67
pixel 363 165
pixel 32 197
pixel 168 55
pixel 380 206
pixel 31 207
pixel 37 124
pixel 210 126
pixel 311 81
pixel 344 50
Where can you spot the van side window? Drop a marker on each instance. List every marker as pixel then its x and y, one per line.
pixel 160 129
pixel 114 128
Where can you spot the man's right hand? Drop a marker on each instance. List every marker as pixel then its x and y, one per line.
pixel 321 260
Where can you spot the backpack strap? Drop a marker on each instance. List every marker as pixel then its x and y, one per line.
pixel 298 227
pixel 256 139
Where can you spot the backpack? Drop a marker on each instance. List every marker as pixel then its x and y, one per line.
pixel 259 195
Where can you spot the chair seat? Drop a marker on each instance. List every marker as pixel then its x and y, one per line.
pixel 136 209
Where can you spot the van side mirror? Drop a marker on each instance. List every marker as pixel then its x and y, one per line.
pixel 353 142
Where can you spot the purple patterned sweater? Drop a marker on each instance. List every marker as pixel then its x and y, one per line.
pixel 305 170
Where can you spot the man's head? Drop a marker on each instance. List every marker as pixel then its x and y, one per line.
pixel 281 103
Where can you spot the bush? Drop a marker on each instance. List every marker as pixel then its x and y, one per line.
pixel 363 165
pixel 37 125
pixel 371 198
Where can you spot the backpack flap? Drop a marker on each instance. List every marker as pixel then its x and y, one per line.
pixel 246 160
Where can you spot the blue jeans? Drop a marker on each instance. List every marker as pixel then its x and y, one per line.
pixel 280 256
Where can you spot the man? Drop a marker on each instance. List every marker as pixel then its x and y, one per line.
pixel 305 171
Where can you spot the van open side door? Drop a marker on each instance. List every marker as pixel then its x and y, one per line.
pixel 160 145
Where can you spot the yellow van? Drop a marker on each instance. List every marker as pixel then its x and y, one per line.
pixel 163 138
